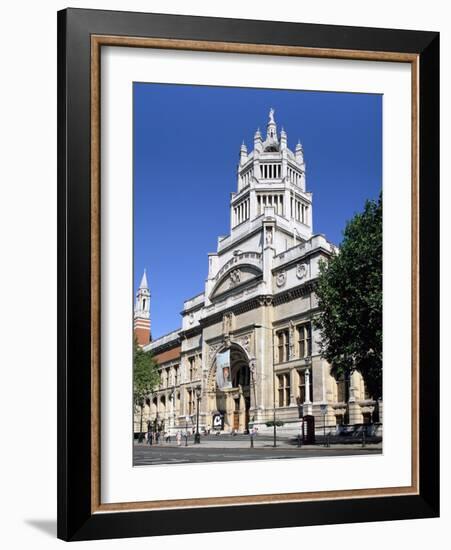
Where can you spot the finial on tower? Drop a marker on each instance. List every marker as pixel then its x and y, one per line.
pixel 271 116
pixel 299 153
pixel 243 153
pixel 144 283
pixel 283 139
pixel 271 129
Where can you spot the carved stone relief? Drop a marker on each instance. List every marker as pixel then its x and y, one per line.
pixel 235 277
pixel 281 278
pixel 301 271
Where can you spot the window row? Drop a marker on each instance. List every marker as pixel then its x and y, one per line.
pixel 241 212
pixel 303 387
pixel 246 178
pixel 294 176
pixel 294 343
pixel 270 171
pixel 169 376
pixel 194 362
pixel 161 405
pixel 299 210
pixel 344 387
pixel 276 201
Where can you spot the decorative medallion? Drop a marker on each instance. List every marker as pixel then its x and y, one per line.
pixel 301 271
pixel 281 278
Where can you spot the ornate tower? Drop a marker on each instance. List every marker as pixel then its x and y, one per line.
pixel 141 320
pixel 272 185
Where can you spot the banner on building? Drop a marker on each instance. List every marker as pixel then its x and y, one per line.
pixel 223 374
pixel 218 421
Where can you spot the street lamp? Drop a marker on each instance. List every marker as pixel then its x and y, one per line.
pixel 323 407
pixel 198 396
pixel 186 430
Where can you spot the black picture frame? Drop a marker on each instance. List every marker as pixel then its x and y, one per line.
pixel 76 519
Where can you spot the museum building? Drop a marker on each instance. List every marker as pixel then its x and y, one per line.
pixel 247 351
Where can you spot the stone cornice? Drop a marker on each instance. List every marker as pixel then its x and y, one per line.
pixel 295 292
pixel 309 254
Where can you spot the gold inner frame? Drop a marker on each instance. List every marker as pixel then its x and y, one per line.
pixel 97 41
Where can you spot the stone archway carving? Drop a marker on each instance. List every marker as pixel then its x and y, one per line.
pixel 234 402
pixel 243 343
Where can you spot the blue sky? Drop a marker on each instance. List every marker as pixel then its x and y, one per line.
pixel 186 145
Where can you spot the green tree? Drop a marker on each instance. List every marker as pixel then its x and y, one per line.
pixel 349 293
pixel 145 379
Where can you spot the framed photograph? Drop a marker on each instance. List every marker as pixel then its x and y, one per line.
pixel 248 274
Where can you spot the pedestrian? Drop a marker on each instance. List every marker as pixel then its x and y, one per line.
pixel 157 438
pixel 149 433
pixel 178 437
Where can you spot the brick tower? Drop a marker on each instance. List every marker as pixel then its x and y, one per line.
pixel 141 320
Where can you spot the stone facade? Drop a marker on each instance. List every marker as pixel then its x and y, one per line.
pixel 256 313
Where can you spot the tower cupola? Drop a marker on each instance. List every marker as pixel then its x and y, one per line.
pixel 272 140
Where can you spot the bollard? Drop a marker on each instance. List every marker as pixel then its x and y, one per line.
pixel 252 441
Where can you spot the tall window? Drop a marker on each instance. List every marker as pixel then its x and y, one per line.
pixel 287 389
pixel 176 375
pixel 190 402
pixel 191 368
pixel 283 346
pixel 280 346
pixel 305 340
pixel 283 382
pixel 280 389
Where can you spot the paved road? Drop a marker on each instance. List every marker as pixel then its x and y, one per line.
pixel 168 454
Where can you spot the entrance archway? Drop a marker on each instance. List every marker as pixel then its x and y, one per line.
pixel 233 402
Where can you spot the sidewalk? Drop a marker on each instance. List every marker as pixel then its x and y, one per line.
pixel 259 443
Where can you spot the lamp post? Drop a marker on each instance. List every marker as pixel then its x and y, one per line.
pixel 324 410
pixel 198 397
pixel 186 430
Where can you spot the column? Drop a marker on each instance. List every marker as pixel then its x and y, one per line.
pixel 355 413
pixel 308 409
pixel 293 386
pixel 307 386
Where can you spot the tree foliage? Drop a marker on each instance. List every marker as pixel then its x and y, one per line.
pixel 349 294
pixel 145 375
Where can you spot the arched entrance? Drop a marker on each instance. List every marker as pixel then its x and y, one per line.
pixel 233 402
